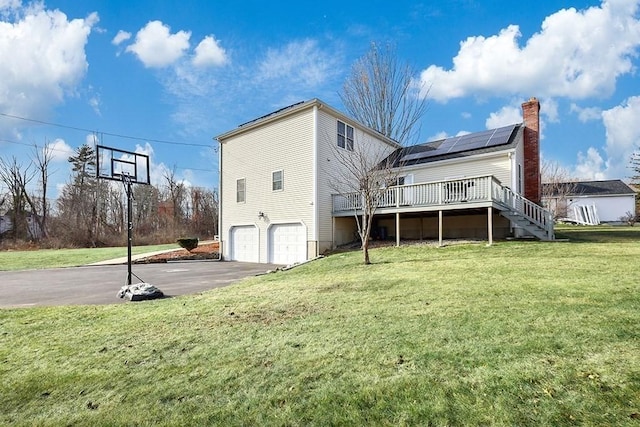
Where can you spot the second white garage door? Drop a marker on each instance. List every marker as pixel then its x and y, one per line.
pixel 287 243
pixel 244 244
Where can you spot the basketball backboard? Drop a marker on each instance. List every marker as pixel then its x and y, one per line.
pixel 116 164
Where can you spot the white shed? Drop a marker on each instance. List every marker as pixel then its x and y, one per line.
pixel 610 200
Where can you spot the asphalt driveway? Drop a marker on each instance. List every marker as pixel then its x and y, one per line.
pixel 100 284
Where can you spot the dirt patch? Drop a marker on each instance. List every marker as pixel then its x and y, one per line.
pixel 203 251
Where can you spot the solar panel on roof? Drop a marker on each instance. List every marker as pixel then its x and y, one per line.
pixel 468 142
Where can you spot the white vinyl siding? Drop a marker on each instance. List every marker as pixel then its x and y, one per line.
pixel 285 144
pixel 498 165
pixel 328 165
pixel 501 164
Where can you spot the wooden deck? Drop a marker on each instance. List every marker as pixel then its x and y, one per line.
pixel 456 194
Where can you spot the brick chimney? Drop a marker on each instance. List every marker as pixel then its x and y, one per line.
pixel 531 137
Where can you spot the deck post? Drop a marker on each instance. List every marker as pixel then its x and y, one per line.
pixel 397 228
pixel 440 227
pixel 333 232
pixel 490 224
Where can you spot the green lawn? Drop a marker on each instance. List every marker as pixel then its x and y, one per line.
pixel 50 258
pixel 518 333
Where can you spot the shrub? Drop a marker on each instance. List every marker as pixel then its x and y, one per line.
pixel 629 217
pixel 189 243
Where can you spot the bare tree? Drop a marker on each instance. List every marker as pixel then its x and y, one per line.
pixel 81 202
pixel 176 195
pixel 204 212
pixel 16 177
pixel 634 164
pixel 557 186
pixel 42 158
pixel 146 214
pixel 383 94
pixel 363 176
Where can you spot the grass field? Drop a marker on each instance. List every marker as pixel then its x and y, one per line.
pixel 518 333
pixel 50 258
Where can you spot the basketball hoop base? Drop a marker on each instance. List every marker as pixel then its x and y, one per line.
pixel 140 292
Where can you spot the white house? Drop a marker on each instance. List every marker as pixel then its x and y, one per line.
pixel 607 200
pixel 278 205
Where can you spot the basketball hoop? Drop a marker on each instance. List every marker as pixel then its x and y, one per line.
pixel 129 168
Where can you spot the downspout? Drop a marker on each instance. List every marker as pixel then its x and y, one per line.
pixel 316 228
pixel 220 234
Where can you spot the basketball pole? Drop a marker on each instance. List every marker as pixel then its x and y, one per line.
pixel 122 165
pixel 127 182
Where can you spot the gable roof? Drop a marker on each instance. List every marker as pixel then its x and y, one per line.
pixel 487 141
pixel 299 106
pixel 612 187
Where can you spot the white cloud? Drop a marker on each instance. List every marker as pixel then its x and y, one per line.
pixel 60 150
pixel 512 113
pixel 576 54
pixel 209 52
pixel 549 109
pixel 586 114
pixel 94 103
pixel 43 59
pixel 622 139
pixel 507 115
pixel 120 37
pixel 91 139
pixel 10 5
pixel 623 136
pixel 299 61
pixel 590 166
pixel 438 136
pixel 147 149
pixel 156 47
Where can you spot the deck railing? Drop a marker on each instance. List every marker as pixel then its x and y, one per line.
pixel 423 194
pixel 455 191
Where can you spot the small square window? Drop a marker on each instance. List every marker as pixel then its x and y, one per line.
pixel 345 136
pixel 240 190
pixel 277 180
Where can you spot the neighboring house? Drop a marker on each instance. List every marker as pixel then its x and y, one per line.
pixel 597 201
pixel 5 224
pixel 278 206
pixel 33 228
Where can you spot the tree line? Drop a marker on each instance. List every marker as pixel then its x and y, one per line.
pixel 92 212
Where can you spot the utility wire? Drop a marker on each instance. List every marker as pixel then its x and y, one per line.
pixel 63 151
pixel 136 138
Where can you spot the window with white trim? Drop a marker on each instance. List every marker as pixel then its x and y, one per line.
pixel 277 180
pixel 345 136
pixel 241 190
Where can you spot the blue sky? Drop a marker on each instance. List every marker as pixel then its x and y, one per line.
pixel 175 74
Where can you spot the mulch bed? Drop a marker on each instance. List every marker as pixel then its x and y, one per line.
pixel 202 252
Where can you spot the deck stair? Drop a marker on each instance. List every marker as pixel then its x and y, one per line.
pixel 525 214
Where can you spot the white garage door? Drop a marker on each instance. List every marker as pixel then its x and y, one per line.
pixel 287 243
pixel 244 244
